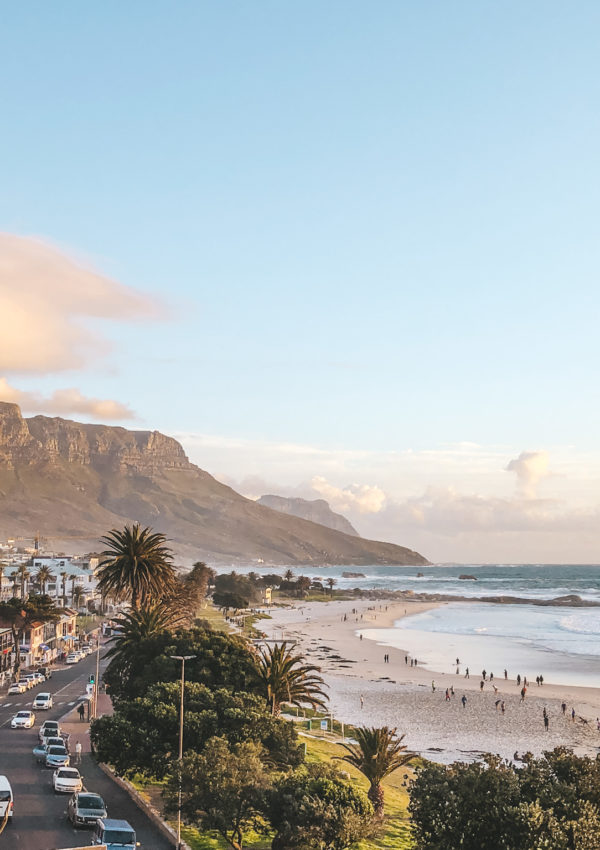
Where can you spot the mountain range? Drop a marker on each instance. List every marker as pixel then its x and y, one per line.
pixel 69 481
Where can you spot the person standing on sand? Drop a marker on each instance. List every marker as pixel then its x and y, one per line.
pixel 432 686
pixel 481 684
pixel 406 659
pixel 506 674
pixel 467 674
pixel 463 699
pixel 523 692
pixel 362 701
pixel 447 695
pixel 518 680
pixel 483 675
pixel 502 706
pixel 573 715
pixel 546 723
pixel 563 706
pixel 541 680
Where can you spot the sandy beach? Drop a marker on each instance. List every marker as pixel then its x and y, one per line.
pixel 398 694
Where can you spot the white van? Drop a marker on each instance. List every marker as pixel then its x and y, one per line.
pixel 6 798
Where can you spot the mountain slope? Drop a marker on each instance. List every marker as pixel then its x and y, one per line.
pixel 316 510
pixel 68 480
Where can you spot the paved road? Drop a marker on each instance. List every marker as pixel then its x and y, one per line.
pixel 39 821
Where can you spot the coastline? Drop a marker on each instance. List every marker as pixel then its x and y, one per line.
pixel 396 694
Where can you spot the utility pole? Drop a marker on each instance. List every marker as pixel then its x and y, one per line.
pixel 96 683
pixel 183 659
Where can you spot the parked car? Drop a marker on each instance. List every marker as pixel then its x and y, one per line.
pixel 46 672
pixel 39 677
pixel 17 688
pixel 6 799
pixel 29 680
pixel 41 750
pixel 85 808
pixel 43 701
pixel 72 658
pixel 49 727
pixel 66 779
pixel 57 757
pixel 23 720
pixel 115 834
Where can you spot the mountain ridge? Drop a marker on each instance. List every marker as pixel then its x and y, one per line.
pixel 70 480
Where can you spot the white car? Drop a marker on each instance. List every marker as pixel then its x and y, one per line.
pixel 39 676
pixel 67 780
pixel 43 701
pixel 17 688
pixel 23 720
pixel 29 680
pixel 72 658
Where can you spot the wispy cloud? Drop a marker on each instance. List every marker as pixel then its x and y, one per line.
pixel 65 402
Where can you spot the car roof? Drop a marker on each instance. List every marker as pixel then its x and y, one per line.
pixel 23 713
pixel 43 694
pixel 4 783
pixel 114 823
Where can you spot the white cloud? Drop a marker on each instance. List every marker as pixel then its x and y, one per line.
pixel 65 402
pixel 48 297
pixel 364 498
pixel 530 468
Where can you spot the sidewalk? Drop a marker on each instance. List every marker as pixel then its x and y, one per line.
pixel 79 730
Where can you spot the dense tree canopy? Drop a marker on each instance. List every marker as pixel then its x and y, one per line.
pixel 142 735
pixel 285 676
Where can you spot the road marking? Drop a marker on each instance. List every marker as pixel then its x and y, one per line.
pixel 6 704
pixel 71 703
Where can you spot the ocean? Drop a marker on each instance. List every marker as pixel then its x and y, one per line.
pixel 561 643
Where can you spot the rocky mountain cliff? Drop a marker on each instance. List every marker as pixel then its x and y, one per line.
pixel 71 481
pixel 316 510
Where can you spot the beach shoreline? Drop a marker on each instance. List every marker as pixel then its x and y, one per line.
pixel 394 693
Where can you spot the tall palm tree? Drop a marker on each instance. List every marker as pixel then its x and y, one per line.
pixel 64 576
pixel 376 753
pixel 136 566
pixel 2 568
pixel 285 677
pixel 331 583
pixel 77 595
pixel 43 576
pixel 22 574
pixel 138 625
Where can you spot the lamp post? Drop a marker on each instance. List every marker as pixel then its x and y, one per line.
pixel 96 683
pixel 183 659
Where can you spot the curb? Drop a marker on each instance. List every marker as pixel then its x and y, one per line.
pixel 152 813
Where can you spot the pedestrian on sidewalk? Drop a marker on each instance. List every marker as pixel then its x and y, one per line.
pixel 81 712
pixel 78 749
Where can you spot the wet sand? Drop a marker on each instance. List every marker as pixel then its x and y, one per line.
pixel 399 695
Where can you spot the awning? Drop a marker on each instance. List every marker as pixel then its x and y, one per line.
pixel 45 647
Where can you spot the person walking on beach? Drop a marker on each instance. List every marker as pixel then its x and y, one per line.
pixel 505 673
pixel 78 749
pixel 447 695
pixel 467 674
pixel 458 661
pixel 573 715
pixel 491 677
pixel 541 680
pixel 433 686
pixel 537 681
pixel 518 680
pixel 523 692
pixel 451 690
pixel 362 701
pixel 483 675
pixel 463 699
pixel 502 707
pixel 406 659
pixel 546 723
pixel 563 706
pixel 481 684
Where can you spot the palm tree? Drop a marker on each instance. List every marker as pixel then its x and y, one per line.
pixel 136 566
pixel 376 753
pixel 288 575
pixel 303 585
pixel 331 583
pixel 43 576
pixel 64 576
pixel 22 574
pixel 18 616
pixel 2 568
pixel 285 677
pixel 136 626
pixel 77 595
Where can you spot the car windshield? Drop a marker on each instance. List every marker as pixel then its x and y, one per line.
pixel 57 751
pixel 90 801
pixel 56 742
pixel 43 696
pixel 118 836
pixel 22 714
pixel 68 773
pixel 51 724
pixel 4 795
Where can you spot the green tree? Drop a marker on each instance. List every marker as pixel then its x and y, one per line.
pixel 313 808
pixel 285 677
pixel 143 734
pixel 64 576
pixel 42 577
pixel 19 615
pixel 303 585
pixel 135 627
pixel 22 574
pixel 229 600
pixel 136 566
pixel 331 583
pixel 223 789
pixel 376 753
pixel 222 660
pixel 288 575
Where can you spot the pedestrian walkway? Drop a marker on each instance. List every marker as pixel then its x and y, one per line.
pixel 79 730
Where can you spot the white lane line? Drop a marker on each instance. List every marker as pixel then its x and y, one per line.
pixel 72 703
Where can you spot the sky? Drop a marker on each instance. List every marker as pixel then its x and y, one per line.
pixel 340 250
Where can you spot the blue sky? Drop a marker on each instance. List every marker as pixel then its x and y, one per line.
pixel 371 230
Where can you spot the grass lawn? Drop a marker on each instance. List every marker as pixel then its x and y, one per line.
pixel 394 833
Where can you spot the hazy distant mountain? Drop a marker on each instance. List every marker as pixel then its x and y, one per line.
pixel 72 482
pixel 316 510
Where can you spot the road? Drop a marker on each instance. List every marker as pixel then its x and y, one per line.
pixel 39 821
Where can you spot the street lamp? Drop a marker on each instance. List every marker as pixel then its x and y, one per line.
pixel 183 659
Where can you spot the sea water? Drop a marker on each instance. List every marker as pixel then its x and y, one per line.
pixel 562 644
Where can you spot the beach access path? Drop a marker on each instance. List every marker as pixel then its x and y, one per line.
pixel 366 690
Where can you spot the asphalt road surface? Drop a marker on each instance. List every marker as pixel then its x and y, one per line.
pixel 39 821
